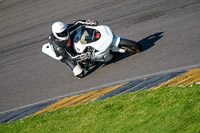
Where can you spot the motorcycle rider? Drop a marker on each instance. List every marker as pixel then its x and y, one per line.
pixel 61 39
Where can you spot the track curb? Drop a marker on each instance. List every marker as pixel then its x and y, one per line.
pixel 181 77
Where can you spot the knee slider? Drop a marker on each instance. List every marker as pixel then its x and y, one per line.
pixel 77 70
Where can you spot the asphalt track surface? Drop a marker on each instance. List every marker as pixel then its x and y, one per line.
pixel 169 31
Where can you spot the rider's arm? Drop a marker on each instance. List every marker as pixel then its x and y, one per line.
pixel 59 51
pixel 81 23
pixel 80 56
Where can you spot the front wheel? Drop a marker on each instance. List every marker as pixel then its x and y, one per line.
pixel 130 46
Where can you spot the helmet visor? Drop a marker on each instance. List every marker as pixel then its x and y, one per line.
pixel 63 34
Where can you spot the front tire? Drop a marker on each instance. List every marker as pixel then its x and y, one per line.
pixel 130 46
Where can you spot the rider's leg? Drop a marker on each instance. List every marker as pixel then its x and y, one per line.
pixel 75 67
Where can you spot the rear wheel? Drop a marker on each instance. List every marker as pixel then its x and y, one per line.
pixel 130 46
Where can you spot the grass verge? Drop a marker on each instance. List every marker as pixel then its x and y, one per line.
pixel 168 109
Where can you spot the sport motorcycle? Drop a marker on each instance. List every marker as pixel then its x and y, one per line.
pixel 99 43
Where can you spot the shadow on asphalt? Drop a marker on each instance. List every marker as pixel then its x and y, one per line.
pixel 149 41
pixel 146 44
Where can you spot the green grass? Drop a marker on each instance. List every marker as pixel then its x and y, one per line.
pixel 168 109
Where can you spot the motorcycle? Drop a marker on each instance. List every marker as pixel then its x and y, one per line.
pixel 100 44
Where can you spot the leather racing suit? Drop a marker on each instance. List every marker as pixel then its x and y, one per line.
pixel 65 48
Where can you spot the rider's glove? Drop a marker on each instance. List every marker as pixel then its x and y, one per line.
pixel 91 22
pixel 85 56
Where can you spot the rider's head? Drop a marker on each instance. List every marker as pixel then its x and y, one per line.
pixel 60 31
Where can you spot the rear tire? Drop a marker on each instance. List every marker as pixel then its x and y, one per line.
pixel 130 46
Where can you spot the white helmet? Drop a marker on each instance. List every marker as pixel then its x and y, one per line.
pixel 60 31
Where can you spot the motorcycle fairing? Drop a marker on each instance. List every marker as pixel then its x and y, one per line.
pixel 108 41
pixel 105 39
